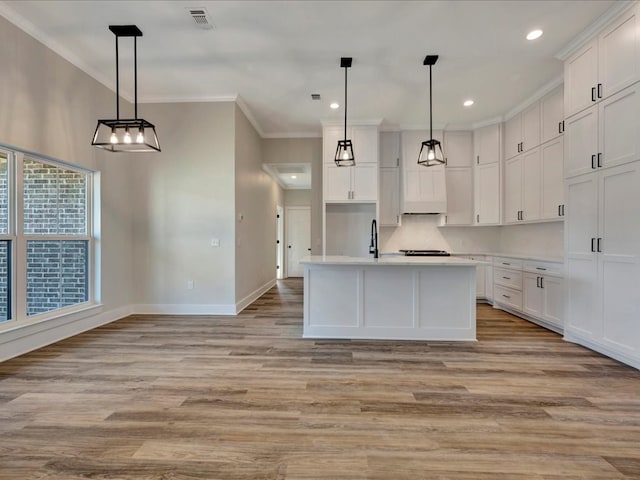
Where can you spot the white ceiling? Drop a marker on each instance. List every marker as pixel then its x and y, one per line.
pixel 275 54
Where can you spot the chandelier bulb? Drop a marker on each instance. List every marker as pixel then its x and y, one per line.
pixel 114 137
pixel 345 155
pixel 127 136
pixel 431 154
pixel 140 136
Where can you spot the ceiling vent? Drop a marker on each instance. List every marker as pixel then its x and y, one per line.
pixel 315 96
pixel 200 18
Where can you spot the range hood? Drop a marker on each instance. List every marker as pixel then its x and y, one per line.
pixel 425 190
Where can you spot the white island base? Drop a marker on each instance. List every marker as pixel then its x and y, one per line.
pixel 398 298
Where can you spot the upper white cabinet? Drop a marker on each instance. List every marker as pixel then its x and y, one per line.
pixel 389 149
pixel 459 196
pixel 423 188
pixel 523 187
pixel 552 115
pixel 364 139
pixel 458 148
pixel 487 194
pixel 605 65
pixel 486 145
pixel 522 131
pixel 551 163
pixel 351 184
pixel 389 198
pixel 605 135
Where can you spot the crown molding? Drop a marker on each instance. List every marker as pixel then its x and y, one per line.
pixel 537 95
pixel 293 135
pixel 30 29
pixel 376 122
pixel 189 99
pixel 618 7
pixel 247 112
pixel 487 122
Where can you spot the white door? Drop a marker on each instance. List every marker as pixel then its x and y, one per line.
pixel 512 136
pixel 298 225
pixel 487 144
pixel 531 185
pixel 619 128
pixel 389 202
pixel 279 242
pixel 337 183
pixel 512 189
pixel 580 79
pixel 551 114
pixel 532 290
pixel 552 178
pixel 530 127
pixel 459 196
pixel 364 182
pixel 488 194
pixel 553 300
pixel 581 143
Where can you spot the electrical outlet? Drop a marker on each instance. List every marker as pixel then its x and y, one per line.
pixel 190 284
pixel 215 242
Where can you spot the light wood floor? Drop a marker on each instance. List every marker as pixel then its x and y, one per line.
pixel 178 398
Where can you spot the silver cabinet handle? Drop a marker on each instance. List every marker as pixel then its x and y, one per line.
pixel 506 296
pixel 507 278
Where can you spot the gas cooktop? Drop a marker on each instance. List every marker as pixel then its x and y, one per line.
pixel 425 253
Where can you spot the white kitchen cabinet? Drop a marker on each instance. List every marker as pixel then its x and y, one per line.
pixel 543 298
pixel 486 144
pixel 481 274
pixel 532 294
pixel 364 138
pixel 423 188
pixel 603 259
pixel 459 196
pixel 487 194
pixel 605 135
pixel 351 184
pixel 522 187
pixel 389 149
pixel 552 166
pixel 552 115
pixel 605 65
pixel 389 200
pixel 488 279
pixel 522 131
pixel 458 148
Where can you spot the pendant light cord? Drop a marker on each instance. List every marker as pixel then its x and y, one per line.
pixel 430 106
pixel 135 76
pixel 345 104
pixel 117 82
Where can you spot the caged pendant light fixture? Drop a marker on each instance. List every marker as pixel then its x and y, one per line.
pixel 431 153
pixel 344 152
pixel 126 135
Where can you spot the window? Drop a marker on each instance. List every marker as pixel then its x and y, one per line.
pixel 46 243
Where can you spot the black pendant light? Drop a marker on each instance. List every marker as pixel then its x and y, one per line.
pixel 126 135
pixel 431 153
pixel 344 152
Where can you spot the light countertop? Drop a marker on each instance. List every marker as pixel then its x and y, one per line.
pixel 540 258
pixel 389 261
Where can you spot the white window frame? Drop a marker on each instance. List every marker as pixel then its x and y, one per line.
pixel 19 239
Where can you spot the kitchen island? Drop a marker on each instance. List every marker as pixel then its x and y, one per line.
pixel 398 298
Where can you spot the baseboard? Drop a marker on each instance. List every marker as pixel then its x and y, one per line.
pixel 528 318
pixel 572 337
pixel 184 309
pixel 253 296
pixel 25 339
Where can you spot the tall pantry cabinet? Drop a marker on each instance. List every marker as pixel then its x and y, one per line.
pixel 602 179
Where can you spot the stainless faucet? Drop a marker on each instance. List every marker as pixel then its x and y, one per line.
pixel 373 247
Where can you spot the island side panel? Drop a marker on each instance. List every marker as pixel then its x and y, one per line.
pixel 331 297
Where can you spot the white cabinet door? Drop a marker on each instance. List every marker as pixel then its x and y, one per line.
pixel 364 178
pixel 581 226
pixel 423 188
pixel 619 127
pixel 330 137
pixel 512 136
pixel 551 161
pixel 486 144
pixel 389 149
pixel 581 143
pixel 459 196
pixel 513 189
pixel 488 280
pixel 530 127
pixel 487 194
pixel 531 185
pixel 619 54
pixel 337 183
pixel 389 199
pixel 365 143
pixel 552 114
pixel 580 79
pixel 481 275
pixel 532 295
pixel 553 300
pixel 458 148
pixel 619 256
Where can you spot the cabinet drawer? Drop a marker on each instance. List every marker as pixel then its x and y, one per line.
pixel 507 278
pixel 508 296
pixel 544 268
pixel 505 262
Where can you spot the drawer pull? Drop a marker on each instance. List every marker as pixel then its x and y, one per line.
pixel 506 296
pixel 507 278
pixel 505 263
pixel 540 268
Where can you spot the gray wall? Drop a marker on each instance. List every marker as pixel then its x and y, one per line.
pixel 302 150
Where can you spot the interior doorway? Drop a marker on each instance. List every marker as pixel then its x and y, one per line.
pixel 298 238
pixel 279 243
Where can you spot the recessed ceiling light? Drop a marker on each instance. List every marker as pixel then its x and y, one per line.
pixel 293 177
pixel 335 105
pixel 468 103
pixel 533 34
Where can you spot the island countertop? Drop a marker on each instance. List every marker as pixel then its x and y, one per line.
pixel 389 261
